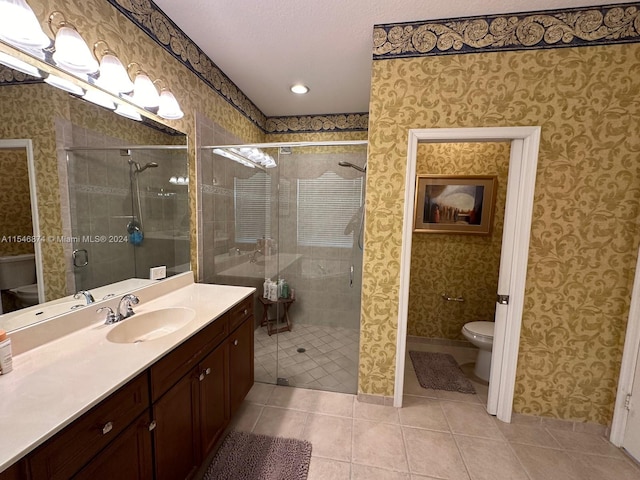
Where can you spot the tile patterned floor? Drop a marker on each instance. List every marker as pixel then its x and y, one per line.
pixel 329 362
pixel 436 435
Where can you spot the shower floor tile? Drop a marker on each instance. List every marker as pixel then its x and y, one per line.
pixel 328 362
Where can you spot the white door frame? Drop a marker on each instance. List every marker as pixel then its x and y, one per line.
pixel 525 143
pixel 27 144
pixel 628 367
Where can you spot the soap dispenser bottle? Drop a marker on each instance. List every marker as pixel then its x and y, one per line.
pixel 6 359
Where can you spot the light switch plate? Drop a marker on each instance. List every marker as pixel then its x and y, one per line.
pixel 158 273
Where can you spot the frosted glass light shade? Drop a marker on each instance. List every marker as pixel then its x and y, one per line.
pixel 113 76
pixel 72 53
pixel 64 84
pixel 99 98
pixel 128 112
pixel 20 27
pixel 144 92
pixel 169 107
pixel 19 65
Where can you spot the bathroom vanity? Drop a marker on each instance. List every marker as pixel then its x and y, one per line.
pixel 91 404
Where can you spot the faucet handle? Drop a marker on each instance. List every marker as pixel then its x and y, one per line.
pixel 128 300
pixel 87 295
pixel 111 317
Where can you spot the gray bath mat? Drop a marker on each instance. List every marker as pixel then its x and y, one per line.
pixel 248 456
pixel 440 371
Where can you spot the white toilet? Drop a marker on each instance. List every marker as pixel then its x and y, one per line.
pixel 480 334
pixel 27 295
pixel 18 272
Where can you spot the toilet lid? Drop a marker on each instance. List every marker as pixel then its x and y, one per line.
pixel 33 288
pixel 483 329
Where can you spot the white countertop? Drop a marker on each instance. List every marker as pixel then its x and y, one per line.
pixel 54 383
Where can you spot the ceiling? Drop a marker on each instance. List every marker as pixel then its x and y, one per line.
pixel 264 47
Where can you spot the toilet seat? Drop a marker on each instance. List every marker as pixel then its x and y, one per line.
pixel 480 329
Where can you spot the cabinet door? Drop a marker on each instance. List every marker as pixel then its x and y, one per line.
pixel 240 363
pixel 213 397
pixel 176 436
pixel 128 457
pixel 17 471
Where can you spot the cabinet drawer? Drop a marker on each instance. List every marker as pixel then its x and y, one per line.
pixel 63 455
pixel 175 364
pixel 240 312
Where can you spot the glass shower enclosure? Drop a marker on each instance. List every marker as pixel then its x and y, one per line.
pixel 129 212
pixel 291 212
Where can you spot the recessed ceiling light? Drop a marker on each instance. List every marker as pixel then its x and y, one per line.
pixel 299 89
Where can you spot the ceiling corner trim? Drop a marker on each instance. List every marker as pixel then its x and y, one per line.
pixel 575 27
pixel 147 16
pixel 157 25
pixel 341 122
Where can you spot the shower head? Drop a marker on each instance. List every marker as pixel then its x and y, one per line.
pixel 139 169
pixel 351 165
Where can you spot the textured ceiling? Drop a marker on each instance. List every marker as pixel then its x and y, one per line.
pixel 266 46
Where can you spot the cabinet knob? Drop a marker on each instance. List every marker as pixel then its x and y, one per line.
pixel 152 425
pixel 107 428
pixel 245 311
pixel 208 371
pixel 235 342
pixel 201 376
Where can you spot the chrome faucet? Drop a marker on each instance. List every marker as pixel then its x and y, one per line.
pixel 127 301
pixel 114 317
pixel 253 255
pixel 87 295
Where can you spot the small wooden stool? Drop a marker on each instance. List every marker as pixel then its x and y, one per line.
pixel 266 305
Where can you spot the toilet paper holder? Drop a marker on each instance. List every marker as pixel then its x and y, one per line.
pixel 448 298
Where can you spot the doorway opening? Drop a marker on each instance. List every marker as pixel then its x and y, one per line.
pixel 524 145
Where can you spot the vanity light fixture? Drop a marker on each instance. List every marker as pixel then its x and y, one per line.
pixel 169 108
pixel 64 84
pixel 19 65
pixel 99 98
pixel 236 158
pixel 179 180
pixel 20 27
pixel 128 112
pixel 144 91
pixel 72 53
pixel 113 76
pixel 299 89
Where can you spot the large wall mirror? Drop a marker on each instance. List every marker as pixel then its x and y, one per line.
pixel 88 199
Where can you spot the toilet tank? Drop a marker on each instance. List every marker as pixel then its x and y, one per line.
pixel 17 270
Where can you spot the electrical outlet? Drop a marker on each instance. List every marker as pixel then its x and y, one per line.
pixel 157 273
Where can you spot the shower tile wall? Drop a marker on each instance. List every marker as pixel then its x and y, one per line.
pixel 321 277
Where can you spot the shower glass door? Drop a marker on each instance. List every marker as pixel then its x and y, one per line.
pixel 128 212
pixel 299 221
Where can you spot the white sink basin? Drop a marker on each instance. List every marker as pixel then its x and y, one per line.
pixel 144 327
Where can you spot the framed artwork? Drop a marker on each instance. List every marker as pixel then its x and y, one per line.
pixel 454 204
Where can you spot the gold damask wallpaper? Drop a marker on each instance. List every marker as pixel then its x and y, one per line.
pixel 585 220
pixel 458 265
pixel 15 204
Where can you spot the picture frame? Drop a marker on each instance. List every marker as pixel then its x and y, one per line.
pixel 461 204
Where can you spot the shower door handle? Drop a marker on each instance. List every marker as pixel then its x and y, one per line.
pixel 351 276
pixel 80 258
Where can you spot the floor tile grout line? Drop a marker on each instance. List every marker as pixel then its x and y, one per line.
pixel 513 452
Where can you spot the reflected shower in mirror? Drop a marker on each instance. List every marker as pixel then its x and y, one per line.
pixel 83 187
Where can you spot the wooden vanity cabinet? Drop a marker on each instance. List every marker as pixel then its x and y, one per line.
pixel 66 453
pixel 241 365
pixel 128 457
pixel 17 471
pixel 192 414
pixel 162 424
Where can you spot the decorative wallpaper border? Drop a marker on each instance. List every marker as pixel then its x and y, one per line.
pixel 586 26
pixel 155 23
pixel 9 76
pixel 341 122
